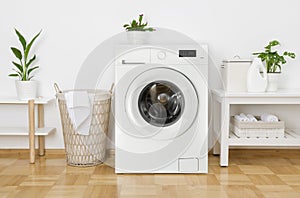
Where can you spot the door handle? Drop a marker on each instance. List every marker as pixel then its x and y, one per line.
pixel 132 63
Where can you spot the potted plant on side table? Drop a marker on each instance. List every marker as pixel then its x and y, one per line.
pixel 273 62
pixel 26 87
pixel 137 31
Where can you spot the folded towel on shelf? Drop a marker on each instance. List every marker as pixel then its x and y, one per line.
pixel 79 109
pixel 244 117
pixel 241 118
pixel 251 118
pixel 269 118
pixel 238 117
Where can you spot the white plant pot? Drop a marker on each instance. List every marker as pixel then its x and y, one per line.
pixel 273 79
pixel 138 37
pixel 26 90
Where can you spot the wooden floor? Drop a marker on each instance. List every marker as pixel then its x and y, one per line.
pixel 251 173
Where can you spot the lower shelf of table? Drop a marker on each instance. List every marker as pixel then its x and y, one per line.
pixel 23 131
pixel 291 138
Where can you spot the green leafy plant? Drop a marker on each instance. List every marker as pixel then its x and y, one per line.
pixel 138 25
pixel 272 59
pixel 23 68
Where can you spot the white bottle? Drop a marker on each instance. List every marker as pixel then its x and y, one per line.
pixel 257 81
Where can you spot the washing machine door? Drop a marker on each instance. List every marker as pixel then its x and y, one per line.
pixel 160 103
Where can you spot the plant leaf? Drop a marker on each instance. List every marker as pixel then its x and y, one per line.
pixel 18 66
pixel 30 61
pixel 290 54
pixel 21 39
pixel 17 53
pixel 149 29
pixel 133 23
pixel 140 19
pixel 274 43
pixel 18 73
pixel 30 44
pixel 13 75
pixel 31 69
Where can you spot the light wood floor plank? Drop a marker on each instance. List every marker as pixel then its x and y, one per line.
pixel 252 169
pixel 267 173
pixel 236 191
pixel 266 180
pixel 66 191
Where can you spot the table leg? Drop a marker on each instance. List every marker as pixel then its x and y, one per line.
pixel 31 131
pixel 41 124
pixel 224 133
pixel 216 122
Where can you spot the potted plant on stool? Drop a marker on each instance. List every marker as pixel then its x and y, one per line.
pixel 26 87
pixel 136 31
pixel 273 62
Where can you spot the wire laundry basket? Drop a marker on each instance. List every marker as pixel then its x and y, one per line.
pixel 86 150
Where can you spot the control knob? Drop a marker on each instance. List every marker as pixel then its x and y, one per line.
pixel 161 55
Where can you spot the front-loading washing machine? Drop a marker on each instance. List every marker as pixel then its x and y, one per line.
pixel 161 104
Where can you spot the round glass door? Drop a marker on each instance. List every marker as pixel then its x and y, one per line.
pixel 161 103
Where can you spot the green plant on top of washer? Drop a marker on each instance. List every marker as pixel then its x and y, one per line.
pixel 135 25
pixel 272 59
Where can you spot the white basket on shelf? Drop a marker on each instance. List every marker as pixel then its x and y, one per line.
pixel 257 129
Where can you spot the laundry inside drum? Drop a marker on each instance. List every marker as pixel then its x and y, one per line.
pixel 161 103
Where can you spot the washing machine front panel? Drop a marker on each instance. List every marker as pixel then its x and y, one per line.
pixel 148 146
pixel 160 103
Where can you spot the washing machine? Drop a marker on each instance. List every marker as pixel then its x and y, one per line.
pixel 161 104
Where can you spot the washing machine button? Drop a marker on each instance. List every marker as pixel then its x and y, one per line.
pixel 161 55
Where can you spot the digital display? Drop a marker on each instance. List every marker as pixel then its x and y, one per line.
pixel 187 53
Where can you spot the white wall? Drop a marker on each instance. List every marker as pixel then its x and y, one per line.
pixel 73 28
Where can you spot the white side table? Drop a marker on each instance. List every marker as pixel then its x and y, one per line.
pixel 222 101
pixel 41 131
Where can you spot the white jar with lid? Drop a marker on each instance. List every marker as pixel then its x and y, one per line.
pixel 234 74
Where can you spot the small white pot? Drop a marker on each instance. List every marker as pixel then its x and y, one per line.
pixel 273 79
pixel 26 90
pixel 138 37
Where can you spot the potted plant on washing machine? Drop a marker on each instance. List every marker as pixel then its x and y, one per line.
pixel 26 87
pixel 273 62
pixel 137 31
